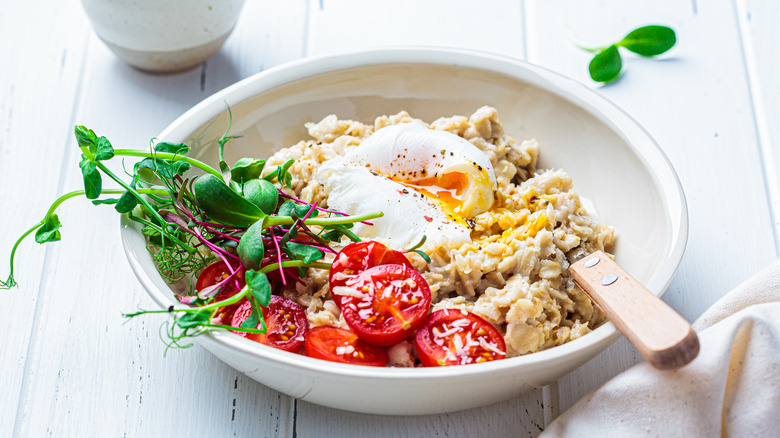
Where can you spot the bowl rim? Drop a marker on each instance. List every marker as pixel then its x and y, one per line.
pixel 566 88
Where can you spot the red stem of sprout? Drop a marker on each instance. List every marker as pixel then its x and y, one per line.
pixel 221 234
pixel 210 225
pixel 281 193
pixel 221 253
pixel 279 258
pixel 313 207
pixel 315 244
pixel 232 276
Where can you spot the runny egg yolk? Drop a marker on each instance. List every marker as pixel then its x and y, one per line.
pixel 449 190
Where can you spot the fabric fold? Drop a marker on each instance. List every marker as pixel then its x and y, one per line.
pixel 731 389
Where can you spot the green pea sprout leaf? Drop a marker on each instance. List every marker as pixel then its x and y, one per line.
pixel 92 179
pixel 259 287
pixel 246 169
pixel 172 148
pixel 104 150
pixel 337 231
pixel 259 295
pixel 303 252
pixel 126 203
pixel 49 232
pixel 107 201
pixel 251 249
pixel 192 319
pixel 222 204
pixel 282 174
pixel 262 194
pixel 290 208
pixel 86 138
pixel 164 168
pixel 252 320
pixel 605 67
pixel 647 41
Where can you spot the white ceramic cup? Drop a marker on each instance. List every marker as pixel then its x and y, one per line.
pixel 163 36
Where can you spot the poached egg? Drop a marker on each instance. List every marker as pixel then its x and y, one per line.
pixel 425 182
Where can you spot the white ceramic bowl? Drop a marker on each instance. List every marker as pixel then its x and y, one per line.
pixel 611 158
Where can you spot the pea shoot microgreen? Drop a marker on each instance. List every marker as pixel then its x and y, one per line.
pixel 647 41
pixel 238 215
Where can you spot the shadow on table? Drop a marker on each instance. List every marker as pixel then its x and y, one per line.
pixel 181 89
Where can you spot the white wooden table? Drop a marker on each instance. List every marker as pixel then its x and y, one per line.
pixel 71 366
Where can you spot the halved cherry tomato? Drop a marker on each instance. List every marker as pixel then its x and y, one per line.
pixel 214 274
pixel 359 256
pixel 285 322
pixel 456 337
pixel 339 345
pixel 384 304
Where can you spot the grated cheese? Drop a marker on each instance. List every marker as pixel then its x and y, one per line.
pixel 345 350
pixel 490 346
pixel 461 322
pixel 458 341
pixel 341 276
pixel 446 333
pixel 347 291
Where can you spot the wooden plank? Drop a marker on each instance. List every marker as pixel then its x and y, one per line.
pixel 39 82
pixel 89 372
pixel 519 417
pixel 695 102
pixel 79 361
pixel 760 38
pixel 340 26
pixel 491 26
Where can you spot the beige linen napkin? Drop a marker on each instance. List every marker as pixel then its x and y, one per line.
pixel 731 389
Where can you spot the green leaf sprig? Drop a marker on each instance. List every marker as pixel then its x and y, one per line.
pixel 235 216
pixel 646 41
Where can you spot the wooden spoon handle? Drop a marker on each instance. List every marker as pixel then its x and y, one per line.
pixel 659 333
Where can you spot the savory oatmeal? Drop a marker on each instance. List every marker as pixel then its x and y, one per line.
pixel 513 271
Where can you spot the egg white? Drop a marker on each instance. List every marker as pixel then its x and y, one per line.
pixel 408 215
pixel 381 175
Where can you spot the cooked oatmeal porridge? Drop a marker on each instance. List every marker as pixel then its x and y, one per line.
pixel 512 267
